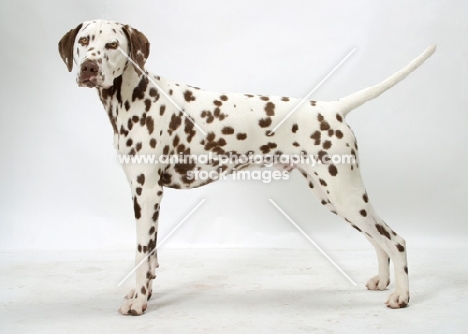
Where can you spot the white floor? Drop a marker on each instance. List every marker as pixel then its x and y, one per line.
pixel 230 291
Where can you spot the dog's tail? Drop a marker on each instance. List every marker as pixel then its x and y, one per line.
pixel 354 100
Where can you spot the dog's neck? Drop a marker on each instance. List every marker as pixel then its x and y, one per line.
pixel 122 87
pixel 117 98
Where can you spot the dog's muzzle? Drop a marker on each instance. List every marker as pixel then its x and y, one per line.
pixel 89 72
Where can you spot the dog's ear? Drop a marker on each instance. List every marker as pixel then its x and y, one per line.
pixel 65 46
pixel 139 46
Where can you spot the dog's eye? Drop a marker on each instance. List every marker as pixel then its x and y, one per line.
pixel 112 46
pixel 83 41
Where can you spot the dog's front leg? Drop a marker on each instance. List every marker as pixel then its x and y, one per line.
pixel 146 195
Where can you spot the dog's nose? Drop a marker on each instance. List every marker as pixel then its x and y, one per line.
pixel 89 67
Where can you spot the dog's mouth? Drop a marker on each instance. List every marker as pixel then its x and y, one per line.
pixel 90 81
pixel 90 74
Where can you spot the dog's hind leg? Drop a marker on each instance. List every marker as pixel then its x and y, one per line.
pixel 346 194
pixel 314 185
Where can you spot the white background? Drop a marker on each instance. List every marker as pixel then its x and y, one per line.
pixel 62 187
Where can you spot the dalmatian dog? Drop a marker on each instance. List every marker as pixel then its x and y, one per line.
pixel 111 57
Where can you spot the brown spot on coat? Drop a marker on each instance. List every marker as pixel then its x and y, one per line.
pixel 153 92
pixel 227 130
pixel 327 144
pixel 188 96
pixel 332 170
pixel 175 122
pixel 136 208
pixel 270 109
pixel 150 124
pixel 321 155
pixel 152 143
pixel 324 126
pixel 268 147
pixel 316 136
pixel 295 127
pixel 143 120
pixel 141 179
pixel 147 105
pixel 265 122
pixel 363 213
pixel 357 228
pixel 400 248
pixel 155 215
pixel 210 136
pixel 241 136
pixel 176 141
pixel 382 231
pixel 189 129
pixel 139 91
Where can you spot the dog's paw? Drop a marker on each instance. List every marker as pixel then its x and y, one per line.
pixel 398 299
pixel 375 283
pixel 133 306
pixel 131 294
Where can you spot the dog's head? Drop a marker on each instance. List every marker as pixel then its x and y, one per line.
pixel 96 48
